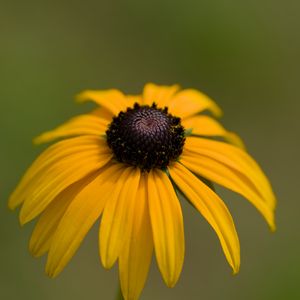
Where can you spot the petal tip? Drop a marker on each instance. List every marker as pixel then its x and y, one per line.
pixel 80 97
pixel 272 223
pixel 52 270
pixel 13 201
pixel 10 205
pixel 273 228
pixel 107 264
pixel 106 261
pixel 50 273
pixel 34 249
pixel 34 252
pixel 25 217
pixel 235 266
pixel 171 282
pixel 37 140
pixel 235 272
pixel 217 111
pixel 22 220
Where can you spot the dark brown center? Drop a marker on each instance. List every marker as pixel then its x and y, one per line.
pixel 146 136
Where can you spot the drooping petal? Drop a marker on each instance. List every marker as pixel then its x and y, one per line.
pixel 167 226
pixel 190 102
pixel 54 155
pixel 159 94
pixel 46 185
pixel 81 125
pixel 212 209
pixel 46 226
pixel 79 217
pixel 113 100
pixel 135 257
pixel 229 178
pixel 118 215
pixel 207 126
pixel 236 159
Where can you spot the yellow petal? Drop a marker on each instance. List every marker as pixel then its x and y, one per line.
pixel 229 178
pixel 235 140
pixel 204 125
pixel 212 209
pixel 132 99
pixel 113 100
pixel 80 216
pixel 48 221
pixel 159 94
pixel 118 215
pixel 103 113
pixel 53 156
pixel 237 159
pixel 81 125
pixel 135 257
pixel 207 126
pixel 167 226
pixel 58 176
pixel 190 102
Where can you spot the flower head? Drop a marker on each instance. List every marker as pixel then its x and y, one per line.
pixel 125 161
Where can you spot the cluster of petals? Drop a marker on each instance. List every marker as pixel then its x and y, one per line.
pixel 77 180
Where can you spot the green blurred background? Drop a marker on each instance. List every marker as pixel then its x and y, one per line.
pixel 244 54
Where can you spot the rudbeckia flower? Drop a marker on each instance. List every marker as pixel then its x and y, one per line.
pixel 125 162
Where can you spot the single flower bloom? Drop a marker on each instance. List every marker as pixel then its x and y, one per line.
pixel 126 161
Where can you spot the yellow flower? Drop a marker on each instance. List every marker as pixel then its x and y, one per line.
pixel 125 161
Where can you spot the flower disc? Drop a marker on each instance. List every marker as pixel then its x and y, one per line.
pixel 146 136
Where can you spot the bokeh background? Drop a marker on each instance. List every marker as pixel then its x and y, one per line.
pixel 244 54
